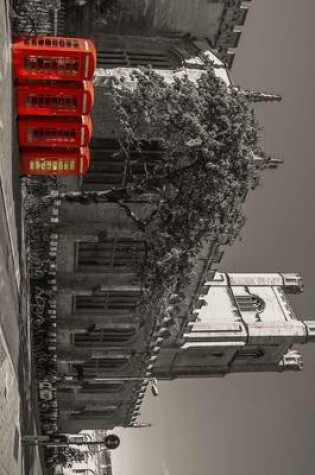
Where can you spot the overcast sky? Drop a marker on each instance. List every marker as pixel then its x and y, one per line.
pixel 254 424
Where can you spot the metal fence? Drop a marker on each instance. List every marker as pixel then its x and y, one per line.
pixel 40 214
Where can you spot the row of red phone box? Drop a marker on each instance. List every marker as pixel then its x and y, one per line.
pixel 54 100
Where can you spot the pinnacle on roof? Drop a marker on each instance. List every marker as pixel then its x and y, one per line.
pixel 266 161
pixel 254 96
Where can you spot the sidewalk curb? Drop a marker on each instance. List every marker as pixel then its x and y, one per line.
pixel 8 75
pixel 4 342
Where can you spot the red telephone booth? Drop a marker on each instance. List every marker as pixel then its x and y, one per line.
pixel 54 131
pixel 54 58
pixel 62 162
pixel 34 98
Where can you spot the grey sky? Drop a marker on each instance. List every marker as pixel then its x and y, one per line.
pixel 254 424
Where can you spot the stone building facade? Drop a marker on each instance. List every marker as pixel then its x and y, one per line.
pixel 99 333
pixel 241 323
pixel 107 352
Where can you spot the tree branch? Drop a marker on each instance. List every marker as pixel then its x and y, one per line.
pixel 86 197
pixel 132 215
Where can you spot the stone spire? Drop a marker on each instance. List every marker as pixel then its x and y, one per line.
pixel 266 162
pixel 254 96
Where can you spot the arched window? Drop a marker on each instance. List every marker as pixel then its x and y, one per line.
pixel 111 300
pixel 250 353
pixel 93 414
pixel 208 355
pixel 103 256
pixel 109 168
pixel 250 303
pixel 96 337
pixel 102 387
pixel 106 363
pixel 132 57
pixel 216 354
pixel 95 366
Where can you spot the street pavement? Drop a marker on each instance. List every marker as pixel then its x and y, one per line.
pixel 10 448
pixel 17 388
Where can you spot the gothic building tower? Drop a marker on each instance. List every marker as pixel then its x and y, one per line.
pixel 242 323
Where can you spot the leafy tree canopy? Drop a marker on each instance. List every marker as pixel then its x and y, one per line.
pixel 208 135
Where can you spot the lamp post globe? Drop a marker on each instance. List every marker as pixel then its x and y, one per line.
pixel 111 441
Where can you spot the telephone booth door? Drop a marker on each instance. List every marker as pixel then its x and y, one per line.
pixel 55 99
pixel 54 131
pixel 61 162
pixel 54 58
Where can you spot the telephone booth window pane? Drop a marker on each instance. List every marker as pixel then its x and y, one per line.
pixel 38 62
pixel 31 63
pixel 29 134
pixel 30 101
pixel 27 62
pixel 47 65
pixel 54 64
pixel 72 165
pixel 68 66
pixel 41 101
pixel 63 65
